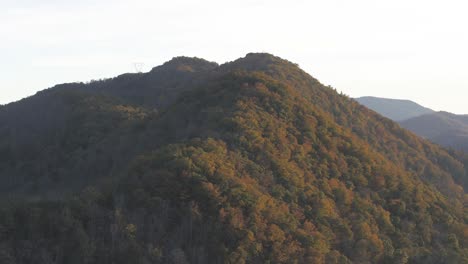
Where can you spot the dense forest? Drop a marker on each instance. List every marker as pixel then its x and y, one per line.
pixel 252 161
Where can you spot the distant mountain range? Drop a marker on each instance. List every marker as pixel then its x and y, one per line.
pixel 395 109
pixel 447 129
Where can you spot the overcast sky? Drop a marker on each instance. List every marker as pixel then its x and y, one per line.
pixel 410 49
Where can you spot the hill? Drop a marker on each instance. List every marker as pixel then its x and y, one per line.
pixel 444 128
pixel 252 161
pixel 397 110
pixel 447 129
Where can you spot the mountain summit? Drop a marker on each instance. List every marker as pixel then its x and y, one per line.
pixel 186 64
pixel 252 161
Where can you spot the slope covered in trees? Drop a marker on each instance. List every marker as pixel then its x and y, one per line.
pixel 253 161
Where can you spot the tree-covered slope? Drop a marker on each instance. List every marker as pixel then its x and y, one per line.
pixel 256 162
pixel 62 140
pixel 69 135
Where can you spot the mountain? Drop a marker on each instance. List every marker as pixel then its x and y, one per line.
pixel 251 161
pixel 444 128
pixel 397 110
pixel 48 141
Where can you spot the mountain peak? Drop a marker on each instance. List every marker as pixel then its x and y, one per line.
pixel 260 55
pixel 187 64
pixel 258 61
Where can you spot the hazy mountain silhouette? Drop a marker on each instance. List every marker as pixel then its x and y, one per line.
pixel 443 128
pixel 446 129
pixel 395 109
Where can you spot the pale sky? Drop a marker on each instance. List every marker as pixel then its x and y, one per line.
pixel 407 49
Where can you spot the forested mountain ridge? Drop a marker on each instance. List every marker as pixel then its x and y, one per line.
pixel 253 161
